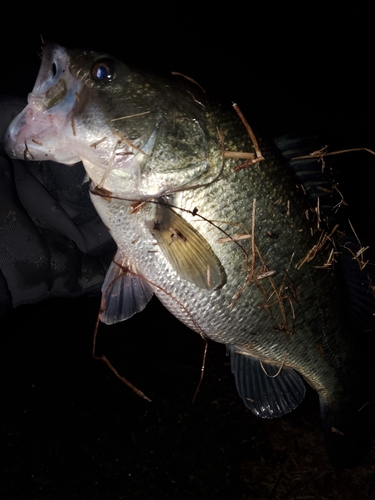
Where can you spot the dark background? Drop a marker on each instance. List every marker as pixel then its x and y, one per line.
pixel 70 428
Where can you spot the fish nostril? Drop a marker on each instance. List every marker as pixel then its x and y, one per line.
pixel 54 69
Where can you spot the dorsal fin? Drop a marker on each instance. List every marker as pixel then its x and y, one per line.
pixel 305 155
pixel 357 259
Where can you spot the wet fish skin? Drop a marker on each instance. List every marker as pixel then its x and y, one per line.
pixel 163 167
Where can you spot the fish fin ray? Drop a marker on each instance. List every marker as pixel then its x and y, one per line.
pixel 186 249
pixel 317 182
pixel 124 292
pixel 266 396
pixel 360 284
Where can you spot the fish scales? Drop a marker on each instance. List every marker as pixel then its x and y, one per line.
pixel 247 324
pixel 165 181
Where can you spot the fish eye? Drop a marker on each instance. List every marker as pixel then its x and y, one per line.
pixel 103 71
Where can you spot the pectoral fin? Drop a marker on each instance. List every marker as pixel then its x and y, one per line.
pixel 266 395
pixel 124 293
pixel 186 249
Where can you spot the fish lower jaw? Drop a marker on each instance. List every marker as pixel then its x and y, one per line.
pixel 32 136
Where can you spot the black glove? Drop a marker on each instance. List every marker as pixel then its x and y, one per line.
pixel 52 242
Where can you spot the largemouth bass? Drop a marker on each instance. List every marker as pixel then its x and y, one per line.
pixel 212 221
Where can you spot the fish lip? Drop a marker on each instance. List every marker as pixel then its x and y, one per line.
pixel 49 88
pixel 54 59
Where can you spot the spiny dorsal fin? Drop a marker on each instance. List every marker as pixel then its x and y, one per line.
pixel 124 292
pixel 357 259
pixel 266 396
pixel 186 249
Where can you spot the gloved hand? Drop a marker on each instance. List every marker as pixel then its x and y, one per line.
pixel 52 242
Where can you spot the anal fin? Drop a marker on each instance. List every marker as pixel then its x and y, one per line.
pixel 265 389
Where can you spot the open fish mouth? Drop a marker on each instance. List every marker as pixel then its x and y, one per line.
pixel 48 83
pixel 49 107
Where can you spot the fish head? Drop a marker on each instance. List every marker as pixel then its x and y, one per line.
pixel 31 135
pixel 88 106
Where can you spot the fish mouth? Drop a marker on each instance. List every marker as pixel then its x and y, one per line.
pixel 49 88
pixel 49 107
